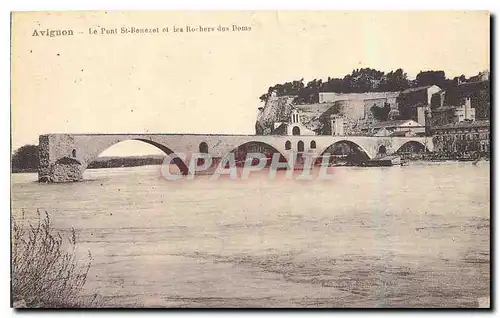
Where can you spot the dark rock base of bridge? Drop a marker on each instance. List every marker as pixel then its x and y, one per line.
pixel 61 172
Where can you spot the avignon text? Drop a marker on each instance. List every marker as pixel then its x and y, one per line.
pixel 52 32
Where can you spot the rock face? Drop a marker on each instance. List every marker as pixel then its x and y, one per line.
pixel 64 170
pixel 355 109
pixel 277 109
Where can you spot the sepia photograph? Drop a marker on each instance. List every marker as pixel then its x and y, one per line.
pixel 250 159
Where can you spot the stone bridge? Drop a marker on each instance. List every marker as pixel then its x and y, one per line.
pixel 64 157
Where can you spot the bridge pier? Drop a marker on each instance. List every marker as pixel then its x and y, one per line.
pixel 56 168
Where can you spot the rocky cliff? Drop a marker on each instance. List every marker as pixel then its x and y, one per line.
pixel 276 109
pixel 279 109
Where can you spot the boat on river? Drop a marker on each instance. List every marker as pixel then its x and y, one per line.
pixel 385 161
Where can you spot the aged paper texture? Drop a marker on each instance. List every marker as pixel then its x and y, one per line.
pixel 250 159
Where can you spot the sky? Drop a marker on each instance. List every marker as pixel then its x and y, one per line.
pixel 210 82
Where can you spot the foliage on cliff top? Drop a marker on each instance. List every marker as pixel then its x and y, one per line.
pixel 371 80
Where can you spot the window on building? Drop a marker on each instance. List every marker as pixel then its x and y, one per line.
pixel 313 144
pixel 296 131
pixel 288 145
pixel 300 146
pixel 73 153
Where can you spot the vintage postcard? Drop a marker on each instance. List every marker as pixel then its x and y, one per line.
pixel 252 159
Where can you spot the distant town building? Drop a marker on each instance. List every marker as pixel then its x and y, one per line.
pixel 477 91
pixel 415 103
pixel 480 77
pixel 465 111
pixel 438 99
pixel 395 128
pixel 295 127
pixel 443 116
pixel 452 114
pixel 359 104
pixel 374 113
pixel 463 137
pixel 330 97
pixel 337 124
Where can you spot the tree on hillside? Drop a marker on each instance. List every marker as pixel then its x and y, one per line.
pixel 335 85
pixel 425 78
pixel 309 94
pixel 363 80
pixel 288 88
pixel 25 157
pixel 394 81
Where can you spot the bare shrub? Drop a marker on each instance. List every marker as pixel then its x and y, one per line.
pixel 45 271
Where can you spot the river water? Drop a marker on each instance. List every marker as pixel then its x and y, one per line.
pixel 412 236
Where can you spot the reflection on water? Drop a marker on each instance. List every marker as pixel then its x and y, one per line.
pixel 399 236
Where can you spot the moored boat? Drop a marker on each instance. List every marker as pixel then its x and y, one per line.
pixel 386 161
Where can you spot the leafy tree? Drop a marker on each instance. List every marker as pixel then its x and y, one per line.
pixel 394 81
pixel 367 80
pixel 425 78
pixel 363 80
pixel 25 157
pixel 288 88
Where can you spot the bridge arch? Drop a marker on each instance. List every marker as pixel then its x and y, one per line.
pixel 413 144
pixel 255 146
pixel 166 150
pixel 352 144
